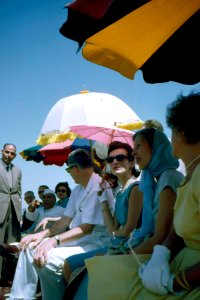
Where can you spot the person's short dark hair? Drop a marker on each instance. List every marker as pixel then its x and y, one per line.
pixel 148 134
pixel 29 192
pixel 119 145
pixel 9 144
pixel 152 123
pixel 43 186
pixel 65 184
pixel 183 116
pixel 81 158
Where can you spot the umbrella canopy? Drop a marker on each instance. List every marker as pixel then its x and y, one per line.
pixel 86 17
pixel 57 153
pixel 94 8
pixel 160 38
pixel 32 154
pixel 105 135
pixel 94 109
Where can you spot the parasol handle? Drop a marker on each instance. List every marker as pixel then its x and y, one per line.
pixel 134 254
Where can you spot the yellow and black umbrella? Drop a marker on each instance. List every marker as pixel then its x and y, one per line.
pixel 159 37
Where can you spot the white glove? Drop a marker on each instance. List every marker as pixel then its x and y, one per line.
pixel 104 195
pixel 171 283
pixel 155 273
pixel 106 192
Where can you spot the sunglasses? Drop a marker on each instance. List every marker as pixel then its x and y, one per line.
pixel 69 168
pixel 119 158
pixel 40 192
pixel 62 191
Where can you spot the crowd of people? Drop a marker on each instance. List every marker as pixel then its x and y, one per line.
pixel 132 233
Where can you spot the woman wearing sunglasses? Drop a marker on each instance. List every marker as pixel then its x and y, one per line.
pixel 128 205
pixel 159 181
pixel 63 193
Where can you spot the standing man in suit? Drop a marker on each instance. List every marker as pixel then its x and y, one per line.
pixel 10 204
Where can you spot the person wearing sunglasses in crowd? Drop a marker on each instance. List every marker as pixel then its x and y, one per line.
pixel 36 203
pixel 33 205
pixel 128 205
pixel 63 193
pixel 159 182
pixel 41 190
pixel 31 210
pixel 50 247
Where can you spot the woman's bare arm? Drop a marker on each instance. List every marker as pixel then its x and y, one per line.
pixel 163 224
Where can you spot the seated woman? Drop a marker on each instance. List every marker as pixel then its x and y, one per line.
pixel 128 204
pixel 182 246
pixel 159 182
pixel 178 279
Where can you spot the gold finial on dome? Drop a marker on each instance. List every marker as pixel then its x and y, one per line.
pixel 84 92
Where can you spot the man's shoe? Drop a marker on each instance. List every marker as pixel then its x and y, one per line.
pixel 7 249
pixel 5 293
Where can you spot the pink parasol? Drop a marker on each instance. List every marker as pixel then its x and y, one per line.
pixel 104 135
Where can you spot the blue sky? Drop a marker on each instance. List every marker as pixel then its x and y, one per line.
pixel 38 66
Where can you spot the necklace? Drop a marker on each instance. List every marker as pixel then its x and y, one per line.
pixel 195 159
pixel 131 179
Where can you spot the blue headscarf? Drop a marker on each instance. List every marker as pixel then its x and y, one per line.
pixel 161 161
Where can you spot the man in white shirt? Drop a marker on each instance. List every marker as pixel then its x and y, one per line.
pixel 48 209
pixel 87 232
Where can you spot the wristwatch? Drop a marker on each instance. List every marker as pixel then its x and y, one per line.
pixel 57 238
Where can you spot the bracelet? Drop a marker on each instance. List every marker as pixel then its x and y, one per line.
pixel 99 193
pixel 105 210
pixel 182 281
pixel 57 238
pixel 185 280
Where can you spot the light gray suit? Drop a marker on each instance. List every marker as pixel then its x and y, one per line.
pixel 10 204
